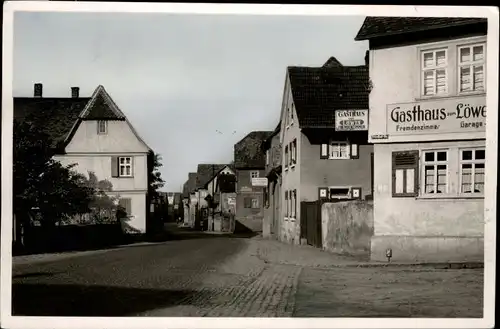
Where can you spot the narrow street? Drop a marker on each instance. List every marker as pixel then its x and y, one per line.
pixel 198 274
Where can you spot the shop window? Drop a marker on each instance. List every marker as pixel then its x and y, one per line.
pixel 405 174
pixel 472 164
pixel 339 192
pixel 435 172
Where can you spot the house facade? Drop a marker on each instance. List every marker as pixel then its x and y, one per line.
pixel 323 136
pixel 188 187
pixel 97 136
pixel 250 162
pixel 427 123
pixel 224 200
pixel 272 197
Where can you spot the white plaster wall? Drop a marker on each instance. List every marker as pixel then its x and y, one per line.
pixel 100 164
pixel 449 216
pixel 290 229
pixel 138 209
pixel 120 138
pixel 395 76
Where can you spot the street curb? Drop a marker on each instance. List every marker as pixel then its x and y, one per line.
pixel 450 266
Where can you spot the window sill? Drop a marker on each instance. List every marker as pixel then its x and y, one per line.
pixel 285 218
pixel 286 168
pixel 292 166
pixel 287 127
pixel 292 219
pixel 450 96
pixel 124 177
pixel 449 197
pixel 339 159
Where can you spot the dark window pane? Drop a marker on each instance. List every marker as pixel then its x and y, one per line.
pixel 467 166
pixel 429 156
pixel 479 165
pixel 441 156
pixel 467 155
pixel 480 154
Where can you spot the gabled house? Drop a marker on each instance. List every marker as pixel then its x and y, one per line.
pixel 250 162
pixel 220 198
pixel 93 133
pixel 427 124
pixel 323 135
pixel 272 197
pixel 187 190
pixel 204 174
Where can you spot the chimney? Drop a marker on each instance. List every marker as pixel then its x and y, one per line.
pixel 38 90
pixel 75 92
pixel 367 58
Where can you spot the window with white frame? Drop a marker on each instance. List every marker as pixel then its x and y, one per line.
pixel 339 150
pixel 254 174
pixel 435 171
pixel 471 68
pixel 267 157
pixel 292 203
pixel 125 166
pixel 286 157
pixel 102 127
pixel 472 162
pixel 434 72
pixel 291 116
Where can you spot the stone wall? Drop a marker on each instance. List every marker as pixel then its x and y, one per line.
pixel 347 227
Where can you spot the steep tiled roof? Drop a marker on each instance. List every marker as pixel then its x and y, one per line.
pixel 266 144
pixel 60 117
pixel 383 26
pixel 101 107
pixel 206 172
pixel 56 116
pixel 332 62
pixel 227 183
pixel 319 91
pixel 248 151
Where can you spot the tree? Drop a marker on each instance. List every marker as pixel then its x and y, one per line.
pixel 41 182
pixel 155 182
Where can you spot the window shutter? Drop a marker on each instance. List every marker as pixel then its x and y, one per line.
pixel 114 167
pixel 295 151
pixel 286 156
pixel 126 204
pixel 405 167
pixel 295 203
pixel 354 151
pixel 324 151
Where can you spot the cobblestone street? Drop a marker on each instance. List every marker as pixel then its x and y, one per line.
pixel 218 276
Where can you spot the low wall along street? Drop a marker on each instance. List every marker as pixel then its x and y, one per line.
pixel 453 115
pixel 347 227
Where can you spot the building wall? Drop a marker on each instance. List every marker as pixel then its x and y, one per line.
pixel 213 183
pixel 120 138
pixel 273 202
pixel 93 152
pixel 249 217
pixel 290 227
pixel 316 172
pixel 100 165
pixel 425 228
pixel 440 227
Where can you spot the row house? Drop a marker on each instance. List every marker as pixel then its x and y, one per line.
pixel 427 123
pixel 250 163
pixel 204 173
pixel 271 146
pixel 94 134
pixel 324 140
pixel 222 199
pixel 188 188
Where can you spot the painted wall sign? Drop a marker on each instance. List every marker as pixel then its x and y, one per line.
pixel 259 181
pixel 231 200
pixel 351 120
pixel 452 115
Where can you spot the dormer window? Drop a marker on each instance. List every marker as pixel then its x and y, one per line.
pixel 102 127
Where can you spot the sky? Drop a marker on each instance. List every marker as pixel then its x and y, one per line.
pixel 191 85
